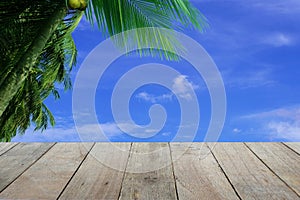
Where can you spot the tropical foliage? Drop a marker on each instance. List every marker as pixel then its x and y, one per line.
pixel 37 49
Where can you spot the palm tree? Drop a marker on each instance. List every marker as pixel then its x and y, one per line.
pixel 37 49
pixel 33 60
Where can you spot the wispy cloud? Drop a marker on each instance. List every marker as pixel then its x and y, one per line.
pixel 281 123
pixel 132 128
pixel 285 129
pixel 271 6
pixel 283 7
pixel 50 135
pixel 92 132
pixel 248 79
pixel 288 113
pixel 88 132
pixel 278 40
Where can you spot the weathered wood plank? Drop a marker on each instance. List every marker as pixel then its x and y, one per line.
pixel 14 162
pixel 100 175
pixel 48 176
pixel 294 145
pixel 146 183
pixel 284 162
pixel 5 146
pixel 198 175
pixel 250 177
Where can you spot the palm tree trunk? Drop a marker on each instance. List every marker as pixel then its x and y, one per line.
pixel 15 79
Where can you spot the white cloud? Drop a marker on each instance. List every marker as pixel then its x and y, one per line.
pixel 49 135
pixel 109 129
pixel 282 123
pixel 154 99
pixel 138 131
pixel 151 130
pixel 88 132
pixel 236 130
pixel 183 88
pixel 285 129
pixel 145 96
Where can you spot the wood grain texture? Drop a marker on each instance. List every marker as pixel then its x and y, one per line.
pixel 283 162
pixel 146 171
pixel 198 175
pixel 157 182
pixel 48 176
pixel 6 146
pixel 249 176
pixel 14 162
pixel 294 145
pixel 100 175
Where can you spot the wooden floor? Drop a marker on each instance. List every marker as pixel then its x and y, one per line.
pixel 150 171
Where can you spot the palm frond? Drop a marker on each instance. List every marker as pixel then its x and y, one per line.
pixel 113 17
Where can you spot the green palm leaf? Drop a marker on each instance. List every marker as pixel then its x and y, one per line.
pixel 117 16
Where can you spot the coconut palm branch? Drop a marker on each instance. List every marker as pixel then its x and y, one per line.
pixel 37 49
pixel 117 16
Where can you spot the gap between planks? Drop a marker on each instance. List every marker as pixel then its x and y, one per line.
pixel 18 160
pixel 249 175
pixel 5 147
pixel 281 161
pixel 49 174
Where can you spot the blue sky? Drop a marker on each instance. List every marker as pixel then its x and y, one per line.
pixel 255 46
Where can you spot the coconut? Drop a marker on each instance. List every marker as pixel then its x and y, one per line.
pixel 74 4
pixel 83 5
